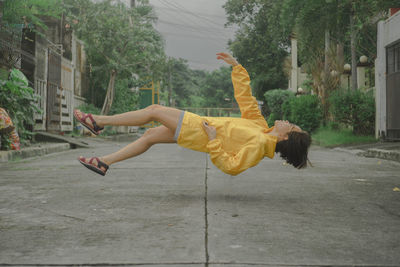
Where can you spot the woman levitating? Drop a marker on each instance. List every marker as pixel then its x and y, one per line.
pixel 234 144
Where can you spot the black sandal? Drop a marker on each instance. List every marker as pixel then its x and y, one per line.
pixel 95 129
pixel 92 166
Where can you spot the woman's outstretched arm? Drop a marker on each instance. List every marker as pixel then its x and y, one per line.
pixel 241 83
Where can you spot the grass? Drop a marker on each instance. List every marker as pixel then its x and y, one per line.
pixel 327 137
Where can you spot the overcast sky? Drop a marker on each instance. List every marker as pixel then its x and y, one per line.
pixel 193 30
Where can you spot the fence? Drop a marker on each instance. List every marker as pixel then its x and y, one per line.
pixel 214 112
pixel 40 118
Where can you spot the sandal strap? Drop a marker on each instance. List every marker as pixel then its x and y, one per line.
pixel 95 127
pixel 99 163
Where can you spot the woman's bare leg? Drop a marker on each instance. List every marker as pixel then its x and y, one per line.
pixel 167 116
pixel 152 136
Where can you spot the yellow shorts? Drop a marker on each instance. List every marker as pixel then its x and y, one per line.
pixel 190 133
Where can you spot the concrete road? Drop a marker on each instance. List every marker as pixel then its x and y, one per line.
pixel 172 207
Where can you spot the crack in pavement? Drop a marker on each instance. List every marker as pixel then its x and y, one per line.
pixel 206 213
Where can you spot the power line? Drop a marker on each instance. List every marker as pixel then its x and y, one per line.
pixel 193 36
pixel 187 26
pixel 180 7
pixel 186 22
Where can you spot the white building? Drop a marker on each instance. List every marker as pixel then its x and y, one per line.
pixel 387 78
pixel 297 76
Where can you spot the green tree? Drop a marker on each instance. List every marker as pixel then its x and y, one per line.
pixel 177 81
pixel 29 11
pixel 347 30
pixel 350 24
pixel 259 44
pixel 275 100
pixel 217 89
pixel 118 40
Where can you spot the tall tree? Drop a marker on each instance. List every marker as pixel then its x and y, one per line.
pixel 351 25
pixel 259 44
pixel 29 11
pixel 122 39
pixel 217 89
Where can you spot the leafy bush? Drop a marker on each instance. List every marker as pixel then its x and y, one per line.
pixel 18 99
pixel 89 108
pixel 354 109
pixel 305 111
pixel 275 100
pixel 272 118
pixel 125 100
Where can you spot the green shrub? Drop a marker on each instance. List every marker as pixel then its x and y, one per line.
pixel 307 85
pixel 272 118
pixel 354 109
pixel 18 99
pixel 124 100
pixel 89 108
pixel 275 100
pixel 305 111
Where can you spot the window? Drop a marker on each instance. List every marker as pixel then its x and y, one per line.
pixel 393 58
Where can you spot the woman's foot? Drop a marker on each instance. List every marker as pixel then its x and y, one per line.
pixel 88 121
pixel 95 164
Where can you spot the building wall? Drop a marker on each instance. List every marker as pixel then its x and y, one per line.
pixel 388 33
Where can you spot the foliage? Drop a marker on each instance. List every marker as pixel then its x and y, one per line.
pixel 331 136
pixel 5 142
pixel 275 99
pixel 30 11
pixel 196 88
pixel 119 41
pixel 89 108
pixel 125 99
pixel 217 89
pixel 307 85
pixel 177 82
pixel 259 43
pixel 350 28
pixel 354 109
pixel 305 111
pixel 18 99
pixel 302 16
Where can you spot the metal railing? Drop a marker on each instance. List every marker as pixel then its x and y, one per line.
pixel 214 112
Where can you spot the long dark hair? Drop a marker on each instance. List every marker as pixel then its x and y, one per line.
pixel 295 149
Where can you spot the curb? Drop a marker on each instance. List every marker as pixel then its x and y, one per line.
pixel 357 152
pixel 6 156
pixel 382 154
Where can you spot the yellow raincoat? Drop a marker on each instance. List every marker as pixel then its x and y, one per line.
pixel 241 143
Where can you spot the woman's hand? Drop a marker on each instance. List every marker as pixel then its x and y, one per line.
pixel 210 130
pixel 227 58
